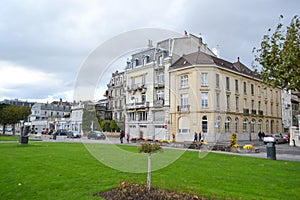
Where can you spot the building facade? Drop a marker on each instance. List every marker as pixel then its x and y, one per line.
pixel 115 95
pixel 148 86
pixel 219 98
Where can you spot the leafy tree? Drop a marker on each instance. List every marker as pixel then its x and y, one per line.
pixel 114 126
pixel 88 119
pixel 105 125
pixel 149 149
pixel 11 114
pixel 279 56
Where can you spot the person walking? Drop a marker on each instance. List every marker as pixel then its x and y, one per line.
pixel 127 137
pixel 195 137
pixel 200 137
pixel 122 135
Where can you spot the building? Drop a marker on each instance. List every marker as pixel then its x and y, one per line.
pixel 148 88
pixel 115 95
pixel 55 115
pixel 17 102
pixel 219 98
pixel 102 111
pixel 53 110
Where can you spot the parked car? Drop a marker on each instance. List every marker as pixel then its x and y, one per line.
pixel 71 134
pixel 96 135
pixel 61 132
pixel 276 138
pixel 286 137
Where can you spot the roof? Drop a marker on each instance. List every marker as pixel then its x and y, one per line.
pixel 200 58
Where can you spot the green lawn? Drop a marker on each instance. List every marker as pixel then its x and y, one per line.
pixel 68 171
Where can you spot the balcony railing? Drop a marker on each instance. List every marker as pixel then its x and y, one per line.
pixel 260 112
pixel 158 103
pixel 183 108
pixel 137 105
pixel 253 112
pixel 159 85
pixel 246 111
pixel 159 67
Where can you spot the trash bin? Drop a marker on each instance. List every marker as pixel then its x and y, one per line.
pixel 271 151
pixel 23 140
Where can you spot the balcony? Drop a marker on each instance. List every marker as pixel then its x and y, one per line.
pixel 158 103
pixel 260 112
pixel 246 111
pixel 138 105
pixel 183 108
pixel 159 67
pixel 253 112
pixel 159 85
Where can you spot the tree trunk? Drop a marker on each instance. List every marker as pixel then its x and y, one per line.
pixel 149 172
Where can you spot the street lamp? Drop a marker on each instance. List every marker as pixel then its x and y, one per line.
pixel 22 127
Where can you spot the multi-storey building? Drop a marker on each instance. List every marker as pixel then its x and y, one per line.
pixel 53 110
pixel 219 98
pixel 148 88
pixel 116 97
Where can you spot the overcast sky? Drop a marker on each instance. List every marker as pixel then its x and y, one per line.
pixel 43 44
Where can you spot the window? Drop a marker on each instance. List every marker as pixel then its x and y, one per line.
pixel 184 81
pixel 271 94
pixel 132 82
pixel 204 99
pixel 228 102
pixel 258 91
pixel 160 58
pixel 245 88
pixel 227 83
pixel 144 79
pixel 160 77
pixel 245 126
pixel 245 103
pixel 132 116
pixel 267 127
pixel 217 81
pixel 227 125
pixel 236 125
pixel 184 101
pixel 204 79
pixel 259 124
pixel 160 94
pixel 145 60
pixel 237 104
pixel 265 93
pixel 271 109
pixel 143 98
pixel 204 124
pixel 236 85
pixel 252 104
pixel 252 89
pixel 259 105
pixel 142 116
pixel 218 100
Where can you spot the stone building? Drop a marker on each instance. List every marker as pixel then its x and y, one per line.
pixel 115 95
pixel 148 86
pixel 218 98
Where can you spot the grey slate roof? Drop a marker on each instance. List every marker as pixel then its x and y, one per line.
pixel 200 58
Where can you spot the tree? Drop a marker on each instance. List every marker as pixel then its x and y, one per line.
pixel 279 56
pixel 12 114
pixel 149 149
pixel 113 126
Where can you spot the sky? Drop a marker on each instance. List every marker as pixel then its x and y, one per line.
pixel 45 45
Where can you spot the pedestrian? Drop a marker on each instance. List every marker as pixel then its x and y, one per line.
pixel 195 137
pixel 260 136
pixel 127 137
pixel 122 135
pixel 200 137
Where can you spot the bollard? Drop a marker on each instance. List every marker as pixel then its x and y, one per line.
pixel 271 151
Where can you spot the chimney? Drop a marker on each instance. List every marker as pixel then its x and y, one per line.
pixel 238 59
pixel 150 44
pixel 185 34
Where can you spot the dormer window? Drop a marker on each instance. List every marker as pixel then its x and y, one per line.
pixel 145 60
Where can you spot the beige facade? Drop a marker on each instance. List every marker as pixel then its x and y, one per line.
pixel 219 98
pixel 148 86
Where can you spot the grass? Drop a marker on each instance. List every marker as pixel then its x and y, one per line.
pixel 9 138
pixel 42 170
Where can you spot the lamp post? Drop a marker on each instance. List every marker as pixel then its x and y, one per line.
pixel 22 128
